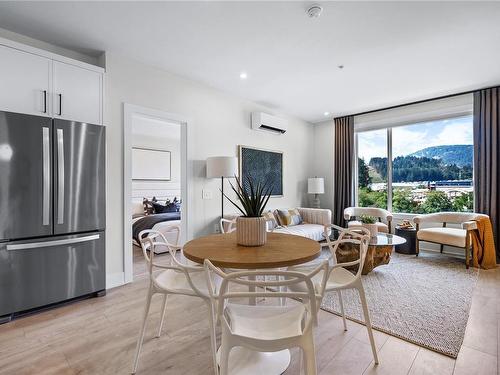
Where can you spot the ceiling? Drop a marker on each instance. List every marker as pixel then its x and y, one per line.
pixel 392 53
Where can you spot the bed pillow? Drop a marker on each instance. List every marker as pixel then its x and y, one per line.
pixel 164 208
pixel 148 206
pixel 289 218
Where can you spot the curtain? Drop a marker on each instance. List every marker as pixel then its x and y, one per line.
pixel 343 165
pixel 487 157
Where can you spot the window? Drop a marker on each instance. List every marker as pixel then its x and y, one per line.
pixel 430 167
pixel 372 168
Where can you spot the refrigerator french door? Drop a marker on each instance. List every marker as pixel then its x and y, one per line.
pixel 52 204
pixel 79 201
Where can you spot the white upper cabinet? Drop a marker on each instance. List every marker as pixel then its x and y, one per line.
pixel 77 93
pixel 38 82
pixel 24 82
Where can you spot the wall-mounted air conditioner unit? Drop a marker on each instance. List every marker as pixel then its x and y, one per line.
pixel 263 121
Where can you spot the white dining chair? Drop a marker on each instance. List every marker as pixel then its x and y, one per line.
pixel 339 278
pixel 173 278
pixel 266 328
pixel 227 226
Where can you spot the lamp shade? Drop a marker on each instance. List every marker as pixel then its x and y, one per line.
pixel 222 166
pixel 316 185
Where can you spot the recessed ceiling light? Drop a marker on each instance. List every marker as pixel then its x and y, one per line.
pixel 327 113
pixel 340 66
pixel 243 75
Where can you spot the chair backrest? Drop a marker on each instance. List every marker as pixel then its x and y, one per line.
pixel 150 240
pixel 359 237
pixel 227 226
pixel 264 284
pixel 351 212
pixel 447 217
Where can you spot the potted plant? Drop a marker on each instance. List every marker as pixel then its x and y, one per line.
pixel 251 227
pixel 369 222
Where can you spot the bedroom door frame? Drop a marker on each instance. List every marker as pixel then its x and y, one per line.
pixel 129 111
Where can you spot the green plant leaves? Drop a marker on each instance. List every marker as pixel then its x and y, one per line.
pixel 254 202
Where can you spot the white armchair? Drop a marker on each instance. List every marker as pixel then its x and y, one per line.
pixel 384 217
pixel 456 237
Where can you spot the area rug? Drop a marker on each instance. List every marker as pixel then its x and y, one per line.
pixel 424 300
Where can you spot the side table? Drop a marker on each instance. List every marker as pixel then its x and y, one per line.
pixel 410 246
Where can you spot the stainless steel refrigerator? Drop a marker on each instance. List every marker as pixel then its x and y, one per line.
pixel 52 211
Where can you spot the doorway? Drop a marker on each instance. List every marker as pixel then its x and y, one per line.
pixel 155 169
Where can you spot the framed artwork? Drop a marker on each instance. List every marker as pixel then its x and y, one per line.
pixel 262 166
pixel 151 164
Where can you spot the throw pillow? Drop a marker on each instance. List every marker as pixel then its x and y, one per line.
pixel 270 219
pixel 289 217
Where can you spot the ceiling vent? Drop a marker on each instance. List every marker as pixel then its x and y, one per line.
pixel 264 122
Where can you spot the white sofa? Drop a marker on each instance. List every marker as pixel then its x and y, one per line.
pixel 457 237
pixel 313 227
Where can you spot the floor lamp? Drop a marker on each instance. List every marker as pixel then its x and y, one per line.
pixel 222 167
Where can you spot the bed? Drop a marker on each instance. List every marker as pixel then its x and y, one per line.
pixel 167 224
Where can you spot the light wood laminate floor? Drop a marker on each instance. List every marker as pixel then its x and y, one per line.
pixel 98 336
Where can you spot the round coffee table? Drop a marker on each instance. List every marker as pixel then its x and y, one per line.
pixel 379 251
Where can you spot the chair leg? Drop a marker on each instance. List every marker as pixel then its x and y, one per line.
pixel 368 322
pixel 143 329
pixel 342 309
pixel 309 355
pixel 224 356
pixel 417 247
pixel 467 249
pixel 162 318
pixel 441 247
pixel 213 337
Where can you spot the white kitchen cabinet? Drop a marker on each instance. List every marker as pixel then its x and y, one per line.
pixel 77 93
pixel 24 82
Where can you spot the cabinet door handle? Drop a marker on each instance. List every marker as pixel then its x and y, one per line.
pixel 60 104
pixel 44 101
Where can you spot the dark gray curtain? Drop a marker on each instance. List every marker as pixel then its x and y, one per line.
pixel 487 156
pixel 343 165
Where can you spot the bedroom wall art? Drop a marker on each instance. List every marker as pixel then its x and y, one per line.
pixel 151 164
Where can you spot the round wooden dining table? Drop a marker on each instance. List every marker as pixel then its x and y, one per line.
pixel 280 250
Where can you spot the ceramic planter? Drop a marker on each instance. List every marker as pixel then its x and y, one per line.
pixel 251 231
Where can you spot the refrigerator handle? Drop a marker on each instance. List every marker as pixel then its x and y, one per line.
pixel 46 176
pixel 68 241
pixel 60 176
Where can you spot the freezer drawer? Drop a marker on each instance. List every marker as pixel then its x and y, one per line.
pixel 39 272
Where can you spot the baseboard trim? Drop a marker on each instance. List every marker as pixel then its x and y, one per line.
pixel 115 279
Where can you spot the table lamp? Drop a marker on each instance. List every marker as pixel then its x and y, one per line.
pixel 316 185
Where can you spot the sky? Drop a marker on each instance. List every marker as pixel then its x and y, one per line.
pixel 410 138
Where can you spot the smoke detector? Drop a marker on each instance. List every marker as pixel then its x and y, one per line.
pixel 314 11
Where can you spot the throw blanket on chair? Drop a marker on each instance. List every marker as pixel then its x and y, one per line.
pixel 483 245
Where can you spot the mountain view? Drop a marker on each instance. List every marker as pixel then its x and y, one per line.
pixel 459 155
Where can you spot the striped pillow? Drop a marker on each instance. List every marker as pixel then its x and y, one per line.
pixel 270 219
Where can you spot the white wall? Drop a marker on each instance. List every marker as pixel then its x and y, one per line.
pixel 323 159
pixel 219 123
pixel 159 135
